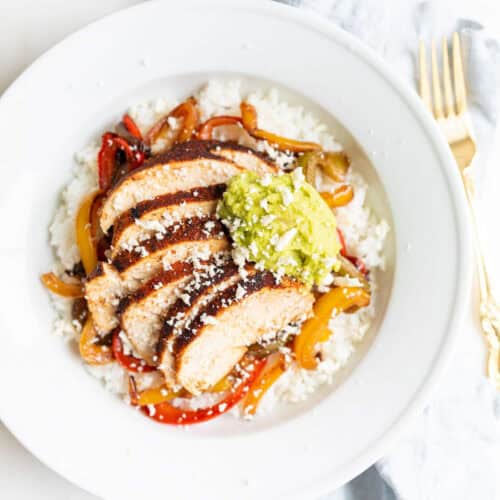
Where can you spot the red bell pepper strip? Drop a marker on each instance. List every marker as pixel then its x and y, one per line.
pixel 355 260
pixel 111 144
pixel 343 248
pixel 165 413
pixel 132 127
pixel 129 362
pixel 205 130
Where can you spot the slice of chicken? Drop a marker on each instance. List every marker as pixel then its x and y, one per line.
pixel 204 286
pixel 193 241
pixel 178 243
pixel 141 312
pixel 151 217
pixel 184 167
pixel 220 333
pixel 103 290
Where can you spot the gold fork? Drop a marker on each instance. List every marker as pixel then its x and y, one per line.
pixel 453 119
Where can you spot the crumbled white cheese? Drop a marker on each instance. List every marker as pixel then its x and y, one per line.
pixel 286 239
pixel 208 320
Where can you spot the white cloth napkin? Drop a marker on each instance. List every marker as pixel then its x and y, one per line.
pixel 452 452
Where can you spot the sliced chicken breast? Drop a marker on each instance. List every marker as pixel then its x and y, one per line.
pixel 208 282
pixel 194 240
pixel 176 244
pixel 184 167
pixel 103 290
pixel 151 217
pixel 218 336
pixel 141 312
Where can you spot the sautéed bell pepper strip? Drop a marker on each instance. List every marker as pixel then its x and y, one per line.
pixel 187 112
pixel 132 127
pixel 360 265
pixel 95 228
pixel 129 362
pixel 205 130
pixel 59 287
pixel 336 301
pixel 249 119
pixel 91 352
pixel 106 159
pixel 84 239
pixel 273 371
pixel 165 413
pixel 340 197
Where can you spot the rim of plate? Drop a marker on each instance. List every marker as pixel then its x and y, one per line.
pixel 308 18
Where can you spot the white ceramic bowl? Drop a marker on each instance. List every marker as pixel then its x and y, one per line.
pixel 81 86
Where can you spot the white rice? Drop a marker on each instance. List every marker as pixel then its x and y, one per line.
pixel 364 233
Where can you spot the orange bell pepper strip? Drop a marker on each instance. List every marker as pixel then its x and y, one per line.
pixel 91 352
pixel 187 112
pixel 155 396
pixel 59 287
pixel 165 413
pixel 334 302
pixel 84 239
pixel 272 372
pixel 249 120
pixel 129 362
pixel 340 197
pixel 205 130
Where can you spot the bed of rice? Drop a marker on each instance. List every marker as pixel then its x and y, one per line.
pixel 364 233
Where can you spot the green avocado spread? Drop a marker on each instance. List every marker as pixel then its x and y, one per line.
pixel 281 223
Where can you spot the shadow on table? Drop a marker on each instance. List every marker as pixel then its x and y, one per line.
pixel 367 486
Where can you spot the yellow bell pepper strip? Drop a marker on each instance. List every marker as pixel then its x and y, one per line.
pixel 249 119
pixel 84 239
pixel 224 384
pixel 91 352
pixel 340 197
pixel 59 287
pixel 334 302
pixel 187 112
pixel 334 164
pixel 165 413
pixel 205 130
pixel 274 369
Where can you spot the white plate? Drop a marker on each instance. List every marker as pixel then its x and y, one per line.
pixel 82 85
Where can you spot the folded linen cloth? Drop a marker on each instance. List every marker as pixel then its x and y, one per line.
pixel 452 451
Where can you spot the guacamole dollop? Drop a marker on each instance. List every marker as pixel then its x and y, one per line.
pixel 281 223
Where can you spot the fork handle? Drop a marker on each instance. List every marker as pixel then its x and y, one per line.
pixel 489 312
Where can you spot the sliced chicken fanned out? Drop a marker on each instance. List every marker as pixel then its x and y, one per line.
pixel 103 290
pixel 216 339
pixel 203 236
pixel 152 217
pixel 184 167
pixel 141 312
pixel 195 240
pixel 203 287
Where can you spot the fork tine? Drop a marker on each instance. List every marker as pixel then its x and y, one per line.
pixel 425 93
pixel 436 85
pixel 448 92
pixel 458 75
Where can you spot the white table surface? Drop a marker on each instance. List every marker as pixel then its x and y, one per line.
pixel 27 29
